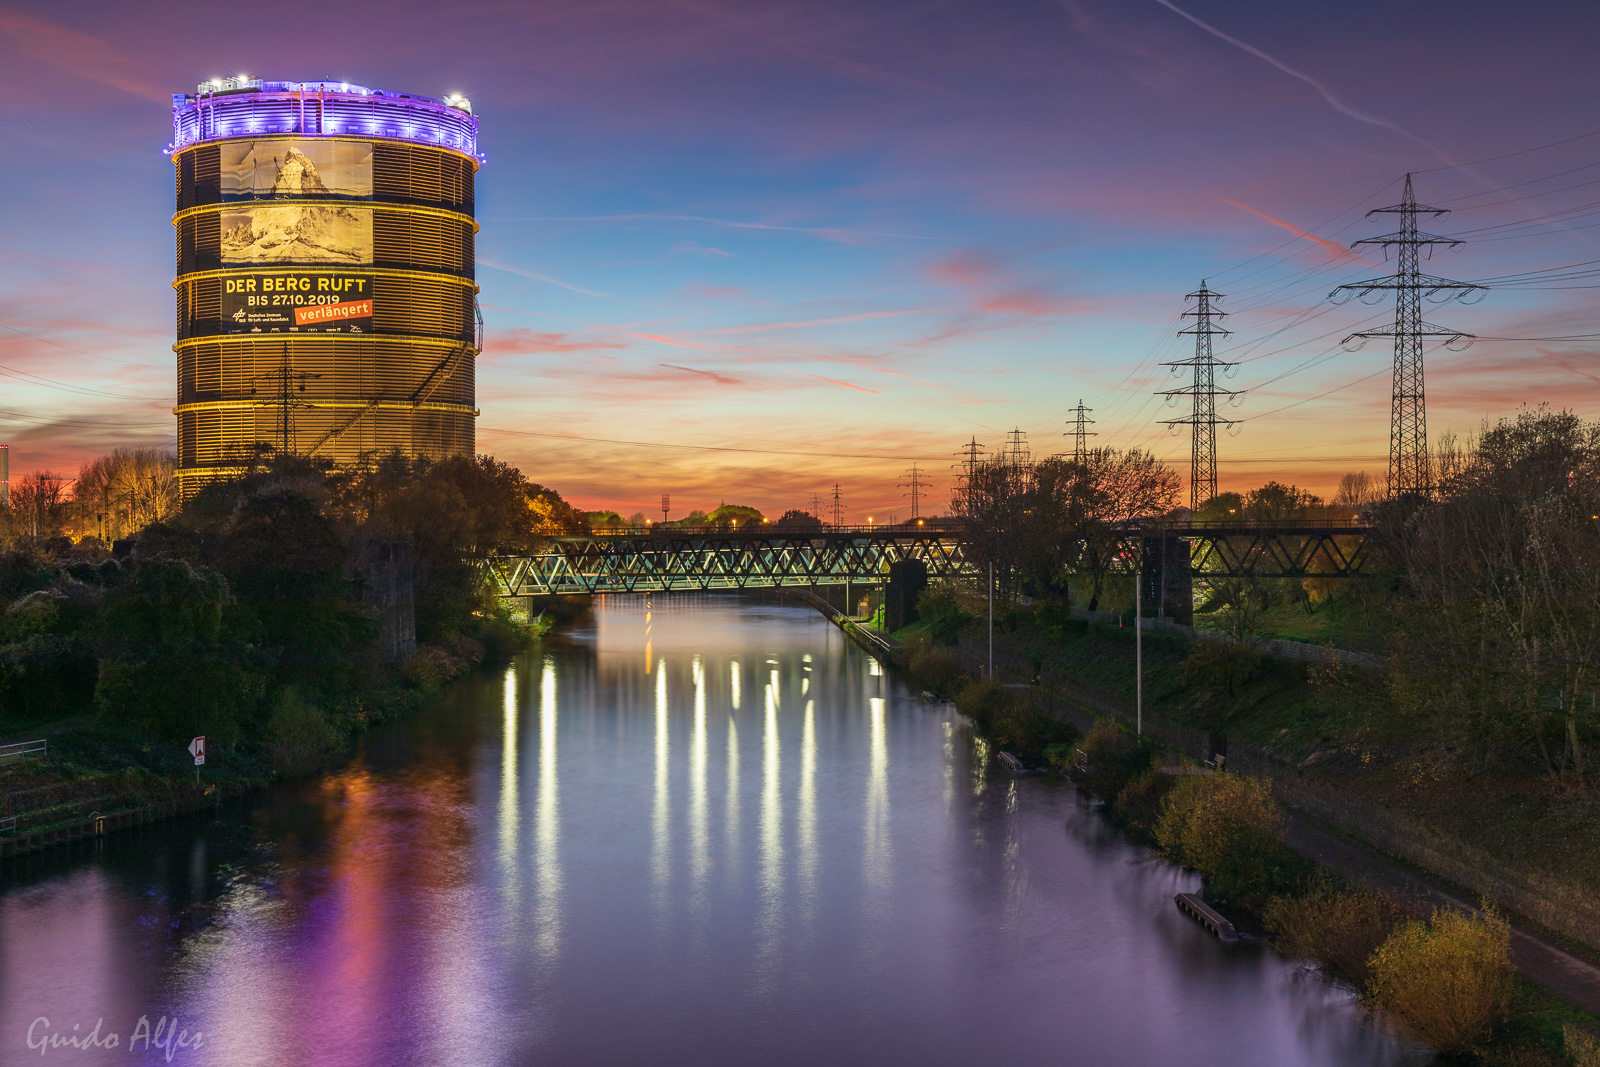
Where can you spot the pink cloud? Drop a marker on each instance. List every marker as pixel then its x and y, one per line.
pixel 720 379
pixel 523 342
pixel 78 54
pixel 821 322
pixel 1335 250
pixel 999 290
pixel 835 381
pixel 694 248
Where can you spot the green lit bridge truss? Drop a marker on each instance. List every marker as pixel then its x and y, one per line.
pixel 767 557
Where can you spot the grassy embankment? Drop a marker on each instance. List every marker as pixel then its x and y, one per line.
pixel 1449 978
pixel 1337 725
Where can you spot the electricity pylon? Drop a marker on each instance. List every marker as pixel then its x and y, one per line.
pixel 1203 419
pixel 1410 471
pixel 1080 432
pixel 915 483
pixel 284 379
pixel 970 454
pixel 1016 452
pixel 838 506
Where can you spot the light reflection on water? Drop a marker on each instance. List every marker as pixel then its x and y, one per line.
pixel 458 895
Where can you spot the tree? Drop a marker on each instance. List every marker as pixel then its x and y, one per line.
pixel 734 515
pixel 1278 501
pixel 794 519
pixel 39 506
pixel 1501 632
pixel 1035 521
pixel 1118 487
pixel 169 666
pixel 121 493
pixel 1357 491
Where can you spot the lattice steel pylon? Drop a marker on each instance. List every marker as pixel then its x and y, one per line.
pixel 838 505
pixel 1203 419
pixel 1080 432
pixel 1016 451
pixel 916 485
pixel 284 380
pixel 971 453
pixel 1410 471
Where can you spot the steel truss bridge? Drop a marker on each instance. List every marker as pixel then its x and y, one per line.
pixel 769 557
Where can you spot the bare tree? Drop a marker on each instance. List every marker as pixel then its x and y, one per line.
pixel 38 506
pixel 122 493
pixel 1357 491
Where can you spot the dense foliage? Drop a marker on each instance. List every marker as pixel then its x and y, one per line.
pixel 240 615
pixel 1499 612
pixel 1040 523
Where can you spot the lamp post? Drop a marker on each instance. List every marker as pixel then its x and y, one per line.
pixel 991 620
pixel 1138 649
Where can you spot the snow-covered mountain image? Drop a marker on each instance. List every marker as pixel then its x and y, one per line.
pixel 257 170
pixel 297 233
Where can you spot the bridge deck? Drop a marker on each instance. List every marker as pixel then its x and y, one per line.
pixel 654 559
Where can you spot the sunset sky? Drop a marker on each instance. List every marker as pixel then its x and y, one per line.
pixel 741 250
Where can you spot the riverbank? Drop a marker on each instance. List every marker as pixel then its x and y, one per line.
pixel 1330 741
pixel 278 615
pixel 1344 834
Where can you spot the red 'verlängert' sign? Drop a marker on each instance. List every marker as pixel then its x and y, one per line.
pixel 354 309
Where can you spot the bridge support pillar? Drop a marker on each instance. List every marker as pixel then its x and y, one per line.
pixel 388 597
pixel 1165 583
pixel 907 579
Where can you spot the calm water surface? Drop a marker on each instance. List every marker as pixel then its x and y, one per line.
pixel 695 830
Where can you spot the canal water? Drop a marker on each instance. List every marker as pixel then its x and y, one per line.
pixel 688 830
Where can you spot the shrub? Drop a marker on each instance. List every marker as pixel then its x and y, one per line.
pixel 1581 1045
pixel 1010 722
pixel 1450 978
pixel 1137 808
pixel 429 667
pixel 935 669
pixel 943 614
pixel 298 733
pixel 1338 926
pixel 1115 757
pixel 1229 828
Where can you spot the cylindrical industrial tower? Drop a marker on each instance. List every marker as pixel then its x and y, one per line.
pixel 326 301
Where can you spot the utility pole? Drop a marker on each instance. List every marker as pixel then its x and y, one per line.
pixel 286 381
pixel 1080 432
pixel 838 506
pixel 1410 471
pixel 991 620
pixel 916 485
pixel 1138 652
pixel 666 505
pixel 1016 453
pixel 970 454
pixel 1202 419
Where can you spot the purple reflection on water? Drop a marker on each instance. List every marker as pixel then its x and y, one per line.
pixel 694 830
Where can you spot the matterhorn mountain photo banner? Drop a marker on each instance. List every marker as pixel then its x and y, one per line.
pixel 297 216
pixel 293 170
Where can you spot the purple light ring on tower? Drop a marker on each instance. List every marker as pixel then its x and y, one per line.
pixel 254 108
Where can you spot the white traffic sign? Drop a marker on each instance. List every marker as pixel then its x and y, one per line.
pixel 197 749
